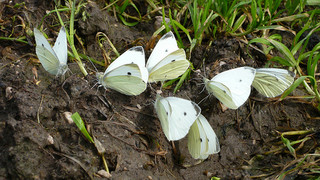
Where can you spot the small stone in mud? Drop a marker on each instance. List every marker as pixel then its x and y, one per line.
pixel 9 92
pixel 104 174
pixel 67 117
pixel 50 139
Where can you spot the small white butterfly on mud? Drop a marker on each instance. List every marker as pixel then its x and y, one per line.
pixel 232 87
pixel 53 60
pixel 202 141
pixel 127 74
pixel 176 116
pixel 272 82
pixel 167 61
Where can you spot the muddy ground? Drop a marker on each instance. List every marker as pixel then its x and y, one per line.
pixel 36 142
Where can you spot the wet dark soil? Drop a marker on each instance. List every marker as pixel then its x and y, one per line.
pixel 37 142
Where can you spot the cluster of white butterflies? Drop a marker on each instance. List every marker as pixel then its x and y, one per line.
pixel 180 117
pixel 129 75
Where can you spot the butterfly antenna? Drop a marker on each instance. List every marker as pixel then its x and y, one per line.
pixel 93 64
pixel 204 87
pixel 204 99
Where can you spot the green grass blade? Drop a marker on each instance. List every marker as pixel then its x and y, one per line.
pixel 239 23
pixel 295 84
pixel 79 122
pixel 181 80
pixel 287 143
pixel 284 50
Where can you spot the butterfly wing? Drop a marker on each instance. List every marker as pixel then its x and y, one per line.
pixel 176 116
pixel 60 47
pixel 134 55
pixel 172 66
pixel 235 83
pixel 202 141
pixel 166 45
pixel 126 79
pixel 222 93
pixel 196 136
pixel 272 82
pixel 45 53
pixel 212 140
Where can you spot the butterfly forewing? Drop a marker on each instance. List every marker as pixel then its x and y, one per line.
pixel 179 115
pixel 163 110
pixel 166 45
pixel 234 84
pixel 212 139
pixel 61 47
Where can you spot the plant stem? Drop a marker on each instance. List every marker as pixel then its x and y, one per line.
pixel 75 53
pixel 105 163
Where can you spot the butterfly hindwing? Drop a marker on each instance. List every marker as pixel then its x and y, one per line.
pixel 272 82
pixel 174 65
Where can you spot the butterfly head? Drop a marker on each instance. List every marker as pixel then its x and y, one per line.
pixel 99 76
pixel 63 68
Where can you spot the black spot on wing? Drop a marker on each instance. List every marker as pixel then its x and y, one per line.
pixel 184 113
pixel 208 139
pixel 200 139
pixel 42 45
pixel 240 80
pixel 166 50
pixel 129 73
pixel 173 60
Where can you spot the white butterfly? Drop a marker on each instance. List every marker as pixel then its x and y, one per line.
pixel 166 61
pixel 232 87
pixel 127 74
pixel 202 141
pixel 176 116
pixel 272 82
pixel 54 60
